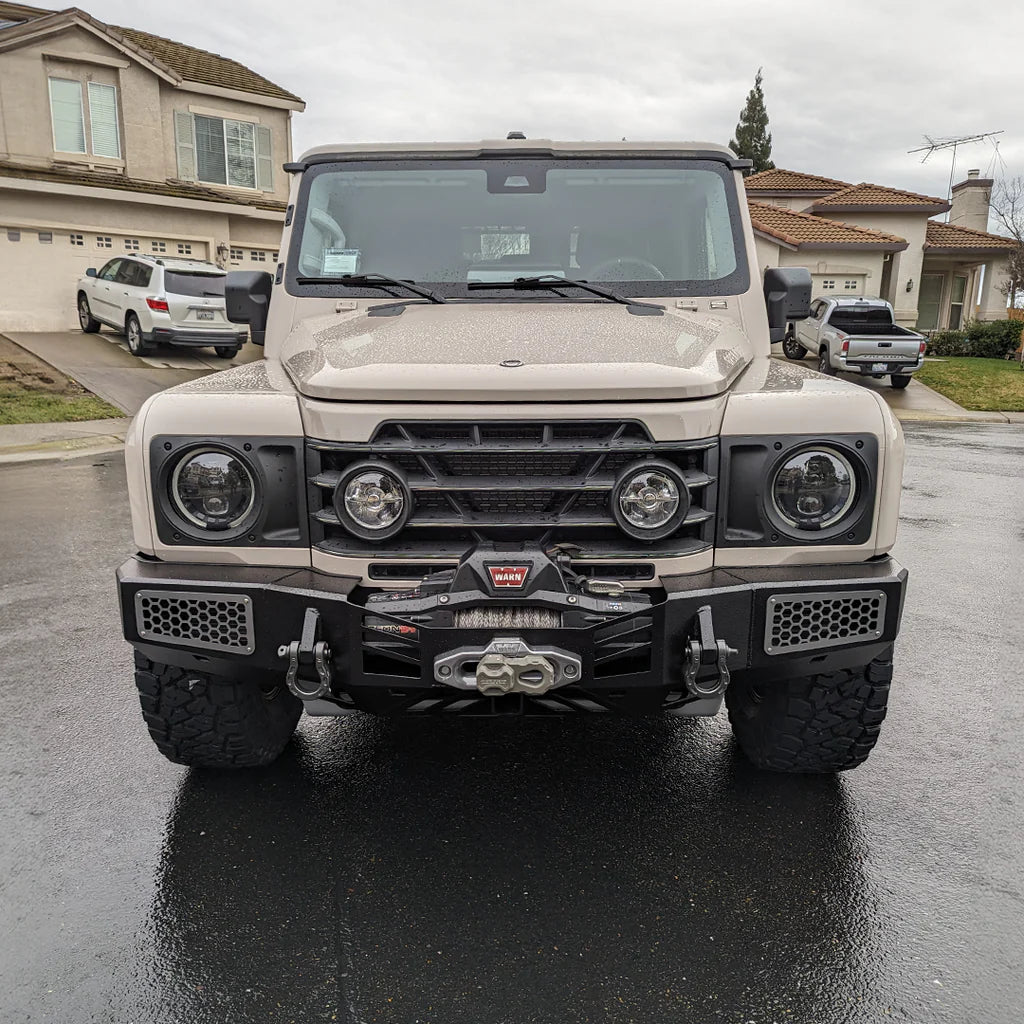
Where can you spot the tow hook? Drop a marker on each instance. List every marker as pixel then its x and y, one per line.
pixel 706 661
pixel 309 660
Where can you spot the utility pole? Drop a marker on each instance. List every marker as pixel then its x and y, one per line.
pixel 950 143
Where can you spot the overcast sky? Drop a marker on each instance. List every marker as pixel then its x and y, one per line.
pixel 847 93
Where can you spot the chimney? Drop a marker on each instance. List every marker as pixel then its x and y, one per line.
pixel 970 201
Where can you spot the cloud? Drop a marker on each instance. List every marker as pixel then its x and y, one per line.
pixel 848 92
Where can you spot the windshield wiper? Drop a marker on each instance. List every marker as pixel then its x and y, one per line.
pixel 553 282
pixel 359 280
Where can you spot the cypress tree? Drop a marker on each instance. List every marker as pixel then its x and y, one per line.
pixel 753 140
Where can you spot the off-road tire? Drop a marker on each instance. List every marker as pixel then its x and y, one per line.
pixel 137 345
pixel 822 723
pixel 207 721
pixel 791 348
pixel 899 383
pixel 88 323
pixel 824 366
pixel 226 351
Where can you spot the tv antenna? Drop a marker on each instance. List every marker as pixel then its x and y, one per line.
pixel 950 142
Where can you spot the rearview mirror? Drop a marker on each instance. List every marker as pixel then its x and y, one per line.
pixel 787 296
pixel 91 272
pixel 247 300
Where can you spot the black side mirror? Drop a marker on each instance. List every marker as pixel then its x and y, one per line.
pixel 787 296
pixel 247 300
pixel 91 272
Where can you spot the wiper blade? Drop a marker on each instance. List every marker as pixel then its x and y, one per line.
pixel 360 280
pixel 553 281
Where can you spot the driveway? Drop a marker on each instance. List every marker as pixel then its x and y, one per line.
pixel 490 872
pixel 102 363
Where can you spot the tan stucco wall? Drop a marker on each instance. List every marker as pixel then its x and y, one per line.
pixel 147 104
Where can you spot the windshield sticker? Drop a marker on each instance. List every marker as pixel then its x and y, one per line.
pixel 341 261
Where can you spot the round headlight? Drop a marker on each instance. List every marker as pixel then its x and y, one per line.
pixel 650 500
pixel 814 488
pixel 213 489
pixel 373 501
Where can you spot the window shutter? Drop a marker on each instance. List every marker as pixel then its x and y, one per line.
pixel 67 115
pixel 185 144
pixel 264 159
pixel 106 140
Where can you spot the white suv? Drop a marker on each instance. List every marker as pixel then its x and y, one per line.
pixel 151 300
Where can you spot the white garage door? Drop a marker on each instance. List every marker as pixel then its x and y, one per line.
pixel 40 268
pixel 838 284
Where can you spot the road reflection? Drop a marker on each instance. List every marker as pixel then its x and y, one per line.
pixel 486 871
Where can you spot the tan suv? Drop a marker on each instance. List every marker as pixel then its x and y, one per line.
pixel 582 485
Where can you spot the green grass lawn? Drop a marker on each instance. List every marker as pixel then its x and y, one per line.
pixel 990 385
pixel 20 404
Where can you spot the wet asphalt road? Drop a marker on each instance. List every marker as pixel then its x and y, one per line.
pixel 486 872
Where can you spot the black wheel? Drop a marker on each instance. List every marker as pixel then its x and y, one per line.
pixel 791 348
pixel 137 345
pixel 899 383
pixel 90 325
pixel 822 723
pixel 199 719
pixel 226 351
pixel 824 366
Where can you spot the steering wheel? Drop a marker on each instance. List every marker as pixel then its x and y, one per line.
pixel 616 270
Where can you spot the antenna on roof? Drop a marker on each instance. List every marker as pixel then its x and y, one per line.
pixel 951 142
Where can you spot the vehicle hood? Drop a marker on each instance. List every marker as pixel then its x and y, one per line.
pixel 560 351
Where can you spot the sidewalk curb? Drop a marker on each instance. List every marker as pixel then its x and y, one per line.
pixel 63 449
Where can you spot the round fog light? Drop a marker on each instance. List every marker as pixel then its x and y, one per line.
pixel 373 501
pixel 213 489
pixel 814 488
pixel 650 500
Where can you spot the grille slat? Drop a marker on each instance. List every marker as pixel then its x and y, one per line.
pixel 807 622
pixel 549 482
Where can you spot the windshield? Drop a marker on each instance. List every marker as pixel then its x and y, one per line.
pixel 655 227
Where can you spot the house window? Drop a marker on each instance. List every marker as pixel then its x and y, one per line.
pixel 184 249
pixel 850 285
pixel 222 151
pixel 956 303
pixel 235 255
pixel 273 258
pixel 828 285
pixel 159 247
pixel 258 256
pixel 13 236
pixel 46 237
pixel 131 244
pixel 77 239
pixel 104 242
pixel 67 113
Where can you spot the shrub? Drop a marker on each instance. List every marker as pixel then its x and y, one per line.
pixel 948 343
pixel 994 339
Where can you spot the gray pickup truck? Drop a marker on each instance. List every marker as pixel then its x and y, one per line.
pixel 857 335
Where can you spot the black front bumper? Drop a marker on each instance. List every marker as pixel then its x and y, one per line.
pixel 631 660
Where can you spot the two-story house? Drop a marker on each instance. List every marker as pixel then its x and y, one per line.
pixel 869 239
pixel 115 140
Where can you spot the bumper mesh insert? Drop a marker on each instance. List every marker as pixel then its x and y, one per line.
pixel 807 622
pixel 213 622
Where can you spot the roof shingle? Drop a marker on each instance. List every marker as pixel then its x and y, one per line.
pixel 779 180
pixel 961 239
pixel 806 231
pixel 867 196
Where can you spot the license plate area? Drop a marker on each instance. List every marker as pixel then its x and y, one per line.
pixel 204 314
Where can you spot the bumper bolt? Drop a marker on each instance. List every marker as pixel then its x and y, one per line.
pixel 443 599
pixel 570 670
pixel 445 670
pixel 571 599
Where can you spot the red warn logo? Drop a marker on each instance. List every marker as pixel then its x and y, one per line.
pixel 508 575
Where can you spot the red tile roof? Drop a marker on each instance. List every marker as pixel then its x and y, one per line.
pixel 779 180
pixel 879 197
pixel 806 231
pixel 954 238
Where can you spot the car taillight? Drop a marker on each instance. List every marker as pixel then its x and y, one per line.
pixel 924 345
pixel 160 305
pixel 846 346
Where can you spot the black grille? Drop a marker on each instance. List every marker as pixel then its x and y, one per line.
pixel 214 622
pixel 525 481
pixel 807 622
